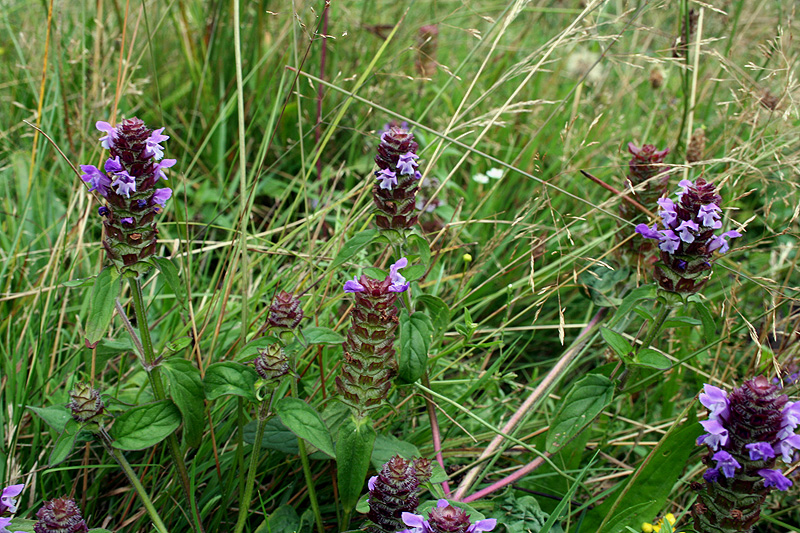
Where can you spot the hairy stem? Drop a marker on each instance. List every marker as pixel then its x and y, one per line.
pixel 312 493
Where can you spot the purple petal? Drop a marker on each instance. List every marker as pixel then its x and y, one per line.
pixel 161 196
pixel 633 149
pixel 715 400
pixel 160 166
pixel 125 184
pixel 113 165
pixel 371 483
pixel 399 283
pixel 387 178
pixel 669 242
pixel 126 220
pixel 717 434
pixel 413 520
pixel 106 141
pixel 647 232
pixel 726 463
pixel 97 180
pixel 353 286
pixel 775 478
pixel 760 451
pixel 787 447
pixel 791 414
pixel 484 525
pixel 7 499
pixel 442 503
pixel 711 475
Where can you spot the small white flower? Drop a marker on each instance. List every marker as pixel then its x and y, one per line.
pixel 480 178
pixel 495 173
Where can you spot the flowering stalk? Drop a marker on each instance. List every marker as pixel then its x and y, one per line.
pixel 369 356
pixel 747 430
pixel 395 490
pixel 271 365
pixel 60 515
pixel 128 184
pixel 444 518
pixel 88 409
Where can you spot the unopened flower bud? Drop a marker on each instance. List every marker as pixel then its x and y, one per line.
pixel 60 515
pixel 285 311
pixel 86 404
pixel 271 363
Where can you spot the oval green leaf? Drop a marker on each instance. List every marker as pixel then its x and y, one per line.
pixel 186 390
pixel 353 451
pixel 230 379
pixel 145 426
pixel 415 339
pixel 315 335
pixel 583 403
pixel 304 421
pixel 104 294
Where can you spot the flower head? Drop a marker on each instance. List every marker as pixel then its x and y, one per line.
pixel 285 311
pixel 445 518
pixel 395 191
pixel 271 363
pixel 60 515
pixel 687 239
pixel 394 491
pixel 85 404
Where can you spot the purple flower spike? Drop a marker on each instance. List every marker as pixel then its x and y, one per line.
pixel 387 178
pixel 399 283
pixel 726 463
pixel 7 501
pixel 715 400
pixel 717 434
pixel 159 167
pixel 775 478
pixel 647 232
pixel 760 451
pixel 97 180
pixel 353 286
pixel 161 196
pixel 106 141
pixel 125 184
pixel 154 147
pixel 113 165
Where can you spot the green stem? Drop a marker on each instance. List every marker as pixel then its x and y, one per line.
pixel 154 374
pixel 655 326
pixel 255 455
pixel 312 493
pixel 137 485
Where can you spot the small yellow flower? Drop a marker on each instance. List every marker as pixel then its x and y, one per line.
pixel 647 528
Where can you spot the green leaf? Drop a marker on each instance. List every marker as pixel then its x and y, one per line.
pixel 23 525
pixel 582 404
pixel 64 443
pixel 230 379
pixel 55 417
pixel 437 310
pixel 709 324
pixel 423 248
pixel 414 272
pixel 284 519
pixel 179 345
pixel 104 295
pixel 387 446
pixel 276 436
pixel 353 246
pixel 99 530
pixel 145 426
pixel 186 390
pixel 618 343
pixel 645 292
pixel 652 359
pixel 646 492
pixel 415 339
pixel 315 335
pixel 81 282
pixel 172 277
pixel 304 421
pixel 353 451
pixel 250 350
pixel 680 322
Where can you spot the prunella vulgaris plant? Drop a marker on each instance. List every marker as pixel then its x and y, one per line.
pixel 395 490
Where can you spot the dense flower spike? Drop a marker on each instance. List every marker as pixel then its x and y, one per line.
pixel 747 431
pixel 688 237
pixel 395 190
pixel 395 490
pixel 85 404
pixel 60 515
pixel 445 518
pixel 369 356
pixel 127 182
pixel 285 311
pixel 271 362
pixel 7 502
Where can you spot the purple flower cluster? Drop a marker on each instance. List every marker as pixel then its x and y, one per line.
pixel 8 504
pixel 128 182
pixel 60 515
pixel 746 431
pixel 395 490
pixel 718 438
pixel 445 518
pixel 688 236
